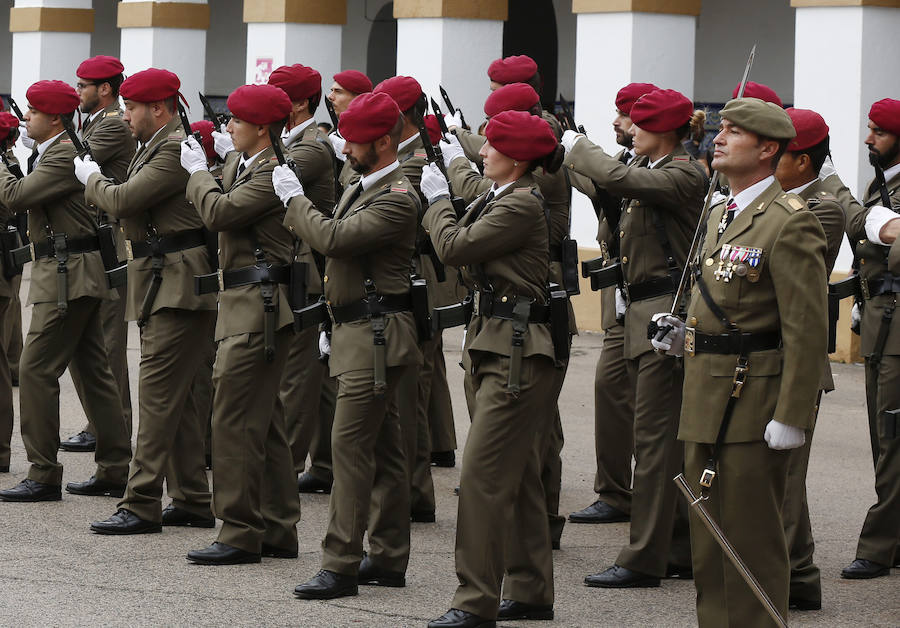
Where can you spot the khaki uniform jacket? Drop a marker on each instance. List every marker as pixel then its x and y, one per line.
pixel 54 199
pixel 312 153
pixel 787 295
pixel 673 190
pixel 6 289
pixel 348 175
pixel 152 192
pixel 510 240
pixel 874 261
pixel 373 236
pixel 111 143
pixel 248 214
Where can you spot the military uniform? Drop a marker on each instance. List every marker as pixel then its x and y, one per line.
pixel 177 334
pixel 778 296
pixel 10 325
pixel 655 232
pixel 878 541
pixel 112 147
pixel 55 202
pixel 307 392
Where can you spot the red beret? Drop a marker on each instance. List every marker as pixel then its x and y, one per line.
pixel 886 114
pixel 259 104
pixel 629 94
pixel 53 97
pixel 353 81
pixel 150 85
pixel 405 90
pixel 368 117
pixel 298 81
pixel 205 128
pixel 433 128
pixel 8 122
pixel 520 135
pixel 516 69
pixel 99 67
pixel 662 110
pixel 511 97
pixel 758 90
pixel 810 126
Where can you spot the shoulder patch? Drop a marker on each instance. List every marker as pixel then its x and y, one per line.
pixel 397 188
pixel 795 203
pixel 175 136
pixel 681 158
pixel 420 153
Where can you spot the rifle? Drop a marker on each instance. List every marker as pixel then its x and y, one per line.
pixel 213 116
pixel 332 114
pixel 433 153
pixel 879 178
pixel 81 148
pixel 568 116
pixel 452 109
pixel 186 123
pixel 279 154
pixel 15 107
pixel 440 117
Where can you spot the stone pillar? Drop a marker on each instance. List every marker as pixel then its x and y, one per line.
pixel 284 32
pixel 441 42
pixel 167 35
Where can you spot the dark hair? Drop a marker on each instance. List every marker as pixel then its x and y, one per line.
pixel 551 162
pixel 537 109
pixel 314 101
pixel 325 125
pixel 536 82
pixel 115 82
pixel 817 154
pixel 67 116
pixel 782 148
pixel 396 132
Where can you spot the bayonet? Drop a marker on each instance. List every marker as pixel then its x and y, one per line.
pixel 450 106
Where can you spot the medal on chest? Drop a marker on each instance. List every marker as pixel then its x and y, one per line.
pixel 742 261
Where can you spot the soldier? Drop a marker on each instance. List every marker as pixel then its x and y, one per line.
pixel 112 147
pixel 253 476
pixel 346 87
pixel 307 392
pixel 502 246
pixel 166 248
pixel 7 286
pixel 368 246
pixel 68 285
pixel 654 236
pixel 613 407
pixel 757 330
pixel 798 173
pixel 876 228
pixel 12 322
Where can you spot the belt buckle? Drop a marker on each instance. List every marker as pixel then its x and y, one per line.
pixel 220 275
pixel 129 252
pixel 690 344
pixel 476 303
pixel 864 288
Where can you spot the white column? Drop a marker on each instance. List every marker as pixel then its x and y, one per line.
pixel 612 50
pixel 160 42
pixel 453 52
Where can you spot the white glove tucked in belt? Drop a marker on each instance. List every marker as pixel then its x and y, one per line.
pixel 324 343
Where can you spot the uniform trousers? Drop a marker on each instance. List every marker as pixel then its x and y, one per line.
pixel 254 486
pixel 74 341
pixel 441 427
pixel 371 474
pixel 746 499
pixel 879 540
pixel 613 422
pixel 6 395
pixel 115 336
pixel 501 497
pixel 551 461
pixel 421 496
pixel 658 458
pixel 307 393
pixel 170 431
pixel 12 323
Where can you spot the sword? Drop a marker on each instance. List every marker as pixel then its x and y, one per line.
pixel 696 504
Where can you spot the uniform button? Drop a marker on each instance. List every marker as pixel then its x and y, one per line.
pixel 628 211
pixel 693 321
pixel 621 234
pixel 325 278
pixel 862 261
pixel 504 299
pixel 291 228
pixel 709 261
pixel 624 259
pixel 328 302
pixel 862 241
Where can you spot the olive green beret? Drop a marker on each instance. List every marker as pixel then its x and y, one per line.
pixel 760 117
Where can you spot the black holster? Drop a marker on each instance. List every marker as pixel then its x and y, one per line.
pixel 559 323
pixel 884 328
pixel 607 276
pixel 314 314
pixel 267 290
pixel 890 424
pixel 521 314
pixel 9 241
pixel 116 274
pixel 849 287
pixel 156 265
pixel 61 252
pixel 568 253
pixel 297 286
pixel 421 312
pixel 376 320
pixel 454 315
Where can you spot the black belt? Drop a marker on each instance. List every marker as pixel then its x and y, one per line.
pixel 730 344
pixel 170 243
pixel 886 284
pixel 502 308
pixel 359 311
pixel 44 248
pixel 644 290
pixel 248 275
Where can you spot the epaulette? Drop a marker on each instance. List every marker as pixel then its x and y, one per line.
pixel 399 187
pixel 792 201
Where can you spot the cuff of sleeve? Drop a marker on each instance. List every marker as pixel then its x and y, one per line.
pixel 435 199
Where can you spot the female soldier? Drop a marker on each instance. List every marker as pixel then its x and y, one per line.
pixel 654 236
pixel 502 245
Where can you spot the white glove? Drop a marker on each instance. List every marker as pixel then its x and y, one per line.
pixel 27 142
pixel 451 149
pixel 569 138
pixel 855 315
pixel 286 184
pixel 876 219
pixel 84 168
pixel 324 344
pixel 222 143
pixel 672 342
pixel 337 143
pixel 433 183
pixel 827 169
pixel 193 159
pixel 781 436
pixel 621 304
pixel 453 119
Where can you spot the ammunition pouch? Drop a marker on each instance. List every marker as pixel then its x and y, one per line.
pixel 61 253
pixel 604 276
pixel 452 315
pixel 115 272
pixel 9 241
pixel 421 313
pixel 567 256
pixel 559 323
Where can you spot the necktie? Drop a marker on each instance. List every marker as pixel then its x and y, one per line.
pixel 241 169
pixel 626 157
pixel 484 203
pixel 354 194
pixel 31 160
pixel 728 216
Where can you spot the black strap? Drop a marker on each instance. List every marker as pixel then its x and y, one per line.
pixel 478 268
pixel 884 328
pixel 170 243
pixel 886 284
pixel 361 311
pixel 73 246
pixel 666 244
pixel 649 289
pixel 504 308
pixel 249 275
